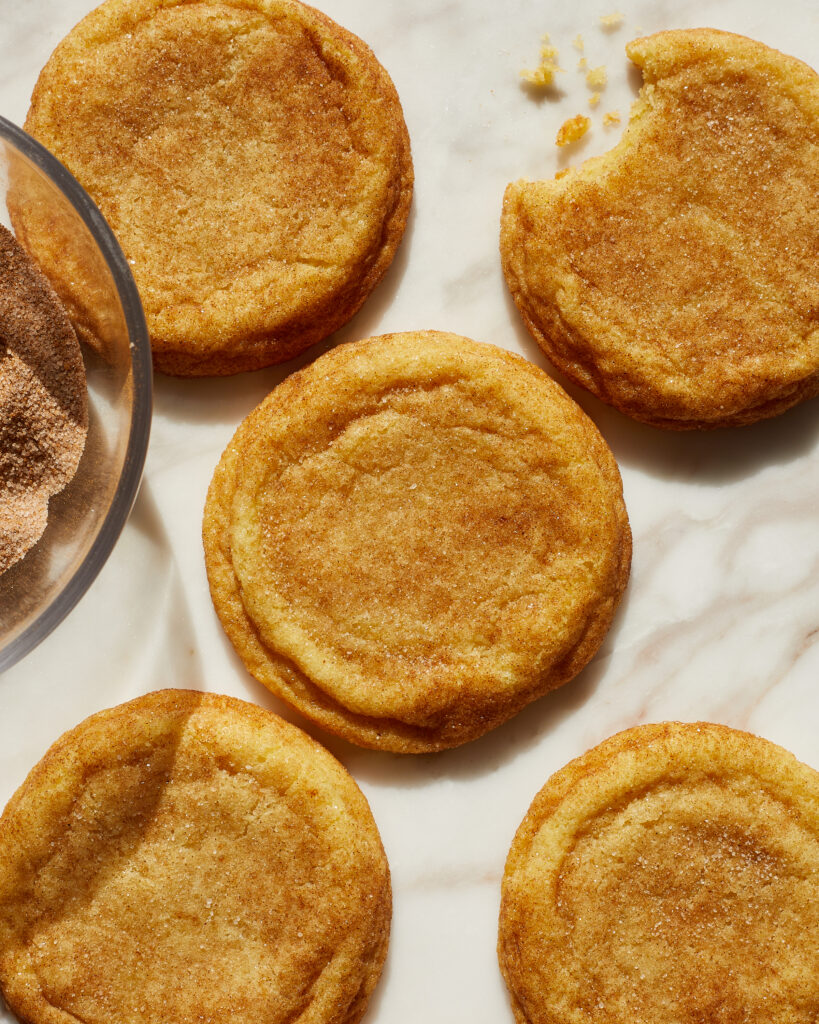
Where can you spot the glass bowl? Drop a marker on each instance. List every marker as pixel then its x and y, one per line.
pixel 57 222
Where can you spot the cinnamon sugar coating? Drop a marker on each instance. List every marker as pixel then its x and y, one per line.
pixel 252 159
pixel 415 537
pixel 675 276
pixel 670 875
pixel 187 857
pixel 43 400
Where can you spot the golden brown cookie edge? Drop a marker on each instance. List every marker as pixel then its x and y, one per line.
pixel 556 338
pixel 311 327
pixel 599 759
pixel 62 764
pixel 291 685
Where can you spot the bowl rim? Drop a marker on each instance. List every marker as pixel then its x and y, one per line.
pixel 141 364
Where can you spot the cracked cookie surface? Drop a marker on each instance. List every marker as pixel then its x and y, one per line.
pixel 252 159
pixel 675 276
pixel 415 537
pixel 187 857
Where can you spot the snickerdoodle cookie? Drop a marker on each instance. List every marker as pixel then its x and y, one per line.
pixel 190 858
pixel 252 159
pixel 675 276
pixel 414 537
pixel 669 875
pixel 43 400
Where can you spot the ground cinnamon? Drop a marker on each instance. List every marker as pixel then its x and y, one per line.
pixel 43 400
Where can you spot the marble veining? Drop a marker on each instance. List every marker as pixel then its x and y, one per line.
pixel 721 619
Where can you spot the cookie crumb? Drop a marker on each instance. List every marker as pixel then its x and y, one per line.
pixel 594 99
pixel 582 64
pixel 612 117
pixel 609 22
pixel 572 130
pixel 544 73
pixel 578 43
pixel 596 78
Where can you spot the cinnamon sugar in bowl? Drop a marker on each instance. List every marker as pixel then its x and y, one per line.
pixel 50 563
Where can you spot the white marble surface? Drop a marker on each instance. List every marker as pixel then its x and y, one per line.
pixel 721 619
